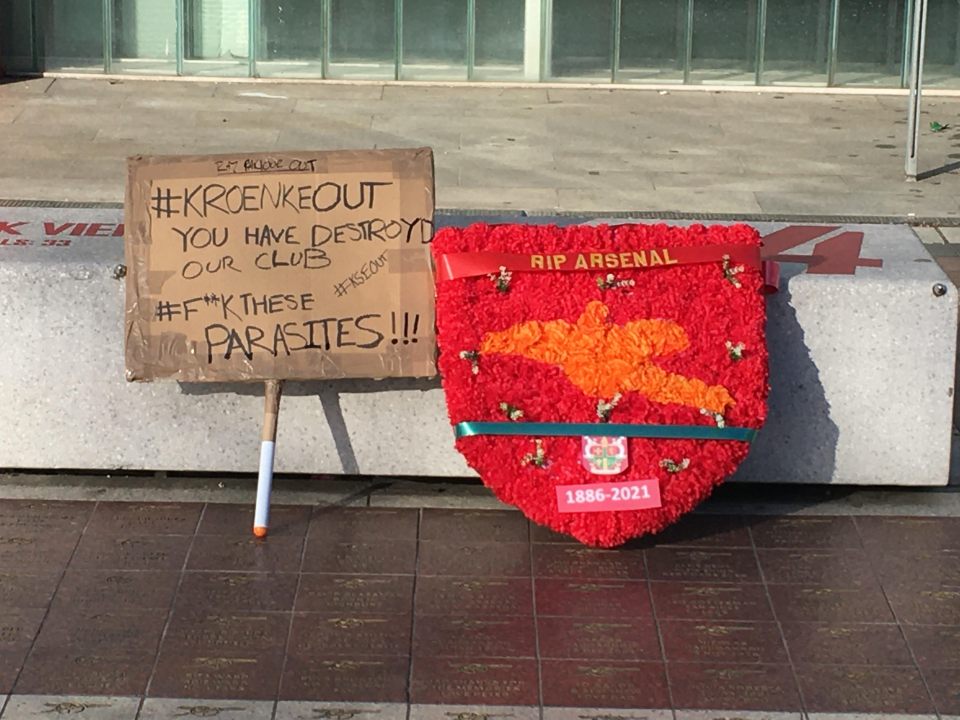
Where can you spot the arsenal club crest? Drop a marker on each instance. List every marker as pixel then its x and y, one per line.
pixel 604 455
pixel 602 379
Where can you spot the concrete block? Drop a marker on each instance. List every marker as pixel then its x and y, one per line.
pixel 862 370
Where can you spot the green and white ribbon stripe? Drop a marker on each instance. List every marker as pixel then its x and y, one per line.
pixel 549 429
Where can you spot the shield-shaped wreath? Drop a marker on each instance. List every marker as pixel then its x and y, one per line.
pixel 602 379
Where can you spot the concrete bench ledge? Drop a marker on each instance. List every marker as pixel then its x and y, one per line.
pixel 862 373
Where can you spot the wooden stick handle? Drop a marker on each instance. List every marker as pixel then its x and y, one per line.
pixel 271 409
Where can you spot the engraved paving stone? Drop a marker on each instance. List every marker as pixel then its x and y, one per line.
pixel 131 552
pixel 699 601
pixel 256 592
pixel 805 532
pixel 212 552
pixel 733 687
pixel 860 689
pixel 339 524
pixel 909 533
pixel 471 636
pixel 328 710
pixel 919 567
pixel 55 671
pixel 604 684
pixel 356 594
pixel 703 565
pixel 479 559
pixel 208 632
pixel 827 567
pixel 129 518
pixel 925 606
pixel 116 588
pixel 44 707
pixel 29 551
pixel 598 639
pixel 362 679
pixel 18 627
pixel 812 603
pixel 593 598
pixel 444 595
pixel 174 708
pixel 124 634
pixel 44 517
pixel 473 712
pixel 934 646
pixel 587 713
pixel 751 715
pixel 11 660
pixel 365 558
pixel 498 681
pixel 315 634
pixel 583 562
pixel 27 591
pixel 726 531
pixel 469 526
pixel 944 684
pixel 212 676
pixel 229 519
pixel 846 643
pixel 722 642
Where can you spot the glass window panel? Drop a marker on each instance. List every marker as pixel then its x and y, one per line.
pixel 217 37
pixel 498 48
pixel 581 42
pixel 724 41
pixel 434 40
pixel 144 36
pixel 362 39
pixel 942 65
pixel 652 40
pixel 795 47
pixel 870 44
pixel 73 39
pixel 291 38
pixel 16 45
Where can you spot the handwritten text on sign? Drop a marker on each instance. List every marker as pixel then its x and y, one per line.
pixel 280 267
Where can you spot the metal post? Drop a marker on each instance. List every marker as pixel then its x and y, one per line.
pixel 761 46
pixel 546 46
pixel 532 40
pixel 917 42
pixel 398 38
pixel 471 37
pixel 181 37
pixel 833 47
pixel 253 36
pixel 107 30
pixel 615 22
pixel 688 44
pixel 326 37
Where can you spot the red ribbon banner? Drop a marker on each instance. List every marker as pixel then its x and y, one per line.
pixel 452 266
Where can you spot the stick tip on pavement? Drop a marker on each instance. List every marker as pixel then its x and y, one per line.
pixel 260 532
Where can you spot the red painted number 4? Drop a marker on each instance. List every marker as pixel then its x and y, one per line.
pixel 838 255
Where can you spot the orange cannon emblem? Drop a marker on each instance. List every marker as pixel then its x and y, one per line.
pixel 603 359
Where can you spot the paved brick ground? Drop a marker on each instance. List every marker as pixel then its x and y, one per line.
pixel 457 607
pixel 534 148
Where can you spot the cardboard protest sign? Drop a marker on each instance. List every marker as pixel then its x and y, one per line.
pixel 280 266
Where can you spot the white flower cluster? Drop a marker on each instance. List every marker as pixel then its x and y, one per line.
pixel 604 408
pixel 731 272
pixel 716 417
pixel 502 279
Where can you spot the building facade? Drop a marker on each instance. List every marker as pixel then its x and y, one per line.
pixel 835 43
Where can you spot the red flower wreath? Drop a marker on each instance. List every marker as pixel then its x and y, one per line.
pixel 667 344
